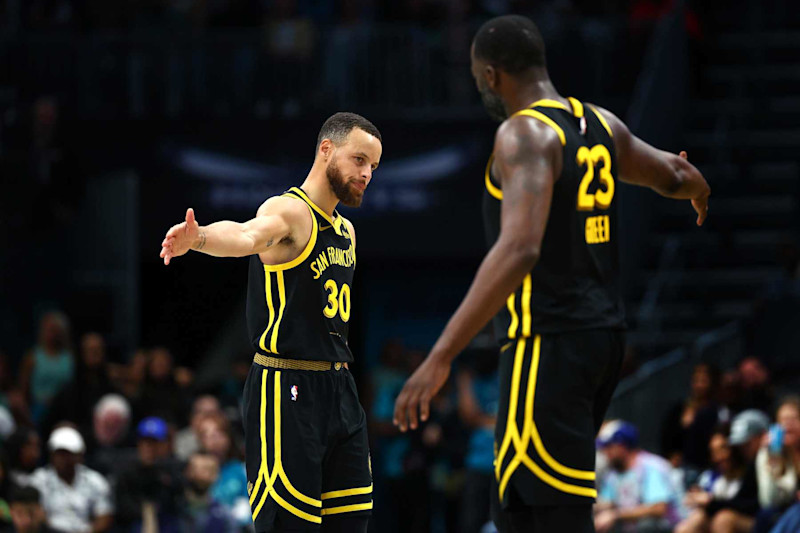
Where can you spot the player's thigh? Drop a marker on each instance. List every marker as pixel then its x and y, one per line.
pixel 347 468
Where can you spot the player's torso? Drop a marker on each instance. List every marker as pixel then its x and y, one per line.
pixel 574 284
pixel 301 309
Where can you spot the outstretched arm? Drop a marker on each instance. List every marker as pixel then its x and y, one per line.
pixel 227 238
pixel 528 158
pixel 668 174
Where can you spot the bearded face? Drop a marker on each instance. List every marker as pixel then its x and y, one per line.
pixel 493 104
pixel 342 187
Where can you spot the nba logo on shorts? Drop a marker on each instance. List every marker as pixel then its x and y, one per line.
pixel 293 390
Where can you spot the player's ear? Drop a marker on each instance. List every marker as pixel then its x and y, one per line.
pixel 326 149
pixel 492 76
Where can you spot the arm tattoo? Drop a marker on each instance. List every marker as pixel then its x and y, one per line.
pixel 202 241
pixel 270 242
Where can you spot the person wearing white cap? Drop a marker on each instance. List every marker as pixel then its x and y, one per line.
pixel 75 498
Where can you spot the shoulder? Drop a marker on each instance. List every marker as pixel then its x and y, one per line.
pixel 351 229
pixel 615 126
pixel 284 206
pixel 521 135
pixel 92 477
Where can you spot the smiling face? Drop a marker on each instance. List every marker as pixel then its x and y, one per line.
pixel 350 165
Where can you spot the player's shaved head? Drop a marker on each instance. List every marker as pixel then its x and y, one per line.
pixel 339 126
pixel 511 43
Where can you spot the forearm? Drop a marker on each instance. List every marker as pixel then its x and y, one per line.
pixel 101 524
pixel 224 239
pixel 643 511
pixel 682 181
pixel 501 272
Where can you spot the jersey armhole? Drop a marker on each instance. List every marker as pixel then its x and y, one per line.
pixel 312 241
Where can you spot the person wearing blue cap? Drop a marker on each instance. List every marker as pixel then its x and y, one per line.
pixel 147 491
pixel 637 494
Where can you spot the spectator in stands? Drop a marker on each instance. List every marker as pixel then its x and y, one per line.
pixel 689 425
pixel 756 390
pixel 49 366
pixel 111 421
pixel 201 512
pixel 5 489
pixel 76 401
pixel 27 513
pixel 75 498
pixel 216 438
pixel 147 490
pixel 24 452
pixel 778 463
pixel 164 395
pixel 637 494
pixel 478 398
pixel 722 484
pixel 7 424
pixel 187 440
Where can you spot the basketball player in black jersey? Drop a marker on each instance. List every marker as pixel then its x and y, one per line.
pixel 307 454
pixel 550 279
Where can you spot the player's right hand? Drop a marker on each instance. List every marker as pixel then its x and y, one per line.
pixel 414 401
pixel 700 204
pixel 180 238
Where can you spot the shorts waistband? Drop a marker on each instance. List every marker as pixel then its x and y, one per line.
pixel 295 364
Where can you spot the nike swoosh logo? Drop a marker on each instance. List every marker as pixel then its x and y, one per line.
pixel 323 228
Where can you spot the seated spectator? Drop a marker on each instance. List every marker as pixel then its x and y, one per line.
pixel 187 441
pixel 27 513
pixel 49 366
pixel 478 399
pixel 24 451
pixel 163 394
pixel 202 513
pixel 757 390
pixel 778 463
pixel 216 438
pixel 77 399
pixel 75 498
pixel 112 416
pixel 5 488
pixel 723 483
pixel 147 490
pixel 637 493
pixel 689 425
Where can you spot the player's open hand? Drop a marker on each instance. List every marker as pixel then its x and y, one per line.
pixel 700 204
pixel 414 402
pixel 180 238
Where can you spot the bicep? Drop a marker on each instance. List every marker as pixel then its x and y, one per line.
pixel 638 162
pixel 266 230
pixel 525 160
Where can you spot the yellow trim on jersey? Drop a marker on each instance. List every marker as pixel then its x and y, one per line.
pixel 336 223
pixel 268 295
pixel 543 118
pixel 312 241
pixel 493 189
pixel 346 492
pixel 347 508
pixel 512 327
pixel 602 120
pixel 546 102
pixel 526 306
pixel 282 299
pixel 577 106
pixel 530 432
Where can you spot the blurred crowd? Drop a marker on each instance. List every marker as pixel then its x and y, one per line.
pixel 93 445
pixel 88 15
pixel 728 461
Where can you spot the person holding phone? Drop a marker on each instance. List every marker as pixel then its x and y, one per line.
pixel 778 460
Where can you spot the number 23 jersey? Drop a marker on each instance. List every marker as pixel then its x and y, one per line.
pixel 301 309
pixel 574 285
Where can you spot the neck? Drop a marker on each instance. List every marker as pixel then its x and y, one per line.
pixel 632 459
pixel 528 92
pixel 318 189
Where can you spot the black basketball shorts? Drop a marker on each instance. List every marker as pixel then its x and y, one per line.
pixel 306 447
pixel 555 389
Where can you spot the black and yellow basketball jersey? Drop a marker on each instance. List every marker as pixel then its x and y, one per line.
pixel 301 309
pixel 574 284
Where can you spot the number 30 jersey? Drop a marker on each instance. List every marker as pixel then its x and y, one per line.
pixel 574 284
pixel 301 309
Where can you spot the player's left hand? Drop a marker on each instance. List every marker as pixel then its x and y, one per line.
pixel 699 204
pixel 605 520
pixel 418 391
